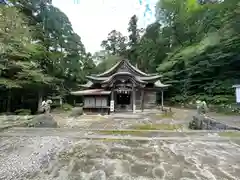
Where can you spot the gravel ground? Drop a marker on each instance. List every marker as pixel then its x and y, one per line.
pixel 54 158
pixel 42 156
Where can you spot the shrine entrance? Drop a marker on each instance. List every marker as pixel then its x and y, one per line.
pixel 123 97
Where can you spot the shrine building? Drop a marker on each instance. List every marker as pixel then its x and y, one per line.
pixel 121 88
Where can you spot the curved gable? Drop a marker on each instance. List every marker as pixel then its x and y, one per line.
pixel 123 76
pixel 123 66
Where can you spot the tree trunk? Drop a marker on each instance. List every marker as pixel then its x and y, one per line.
pixel 61 101
pixel 9 101
pixel 40 99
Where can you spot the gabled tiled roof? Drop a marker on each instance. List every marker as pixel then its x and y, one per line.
pixel 141 78
pixel 124 68
pixel 160 85
pixel 87 85
pixel 124 73
pixel 120 64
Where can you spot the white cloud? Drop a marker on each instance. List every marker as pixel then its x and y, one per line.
pixel 94 19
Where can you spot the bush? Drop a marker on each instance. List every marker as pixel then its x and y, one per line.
pixel 178 99
pixel 67 107
pixel 190 101
pixel 23 111
pixel 226 109
pixel 223 99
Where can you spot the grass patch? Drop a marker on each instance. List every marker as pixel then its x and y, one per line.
pixel 111 140
pixel 158 127
pixel 6 124
pixel 92 118
pixel 229 134
pixel 122 132
pixel 166 115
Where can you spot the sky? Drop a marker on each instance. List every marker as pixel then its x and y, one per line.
pixel 92 20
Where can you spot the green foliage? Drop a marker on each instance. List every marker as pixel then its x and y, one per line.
pixel 178 99
pixel 123 132
pixel 67 107
pixel 229 134
pixel 158 127
pixel 195 46
pixel 18 67
pixel 202 66
pixel 228 109
pixel 106 63
pixel 115 43
pixel 39 50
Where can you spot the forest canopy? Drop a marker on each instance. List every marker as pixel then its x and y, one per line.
pixel 39 52
pixel 194 45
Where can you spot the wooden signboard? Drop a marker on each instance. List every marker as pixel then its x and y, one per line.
pixel 238 94
pixel 111 105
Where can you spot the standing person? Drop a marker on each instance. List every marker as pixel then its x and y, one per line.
pixel 46 106
pixel 43 106
pixel 201 107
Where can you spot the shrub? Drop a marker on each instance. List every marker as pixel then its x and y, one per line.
pixel 223 99
pixel 226 109
pixel 23 111
pixel 178 99
pixel 67 107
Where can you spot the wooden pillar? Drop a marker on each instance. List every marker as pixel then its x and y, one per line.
pixel 134 99
pixel 162 98
pixel 112 95
pixel 131 99
pixel 142 100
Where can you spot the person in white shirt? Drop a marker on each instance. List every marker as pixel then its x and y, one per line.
pixel 46 106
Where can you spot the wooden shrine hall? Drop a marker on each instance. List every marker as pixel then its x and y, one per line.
pixel 121 88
